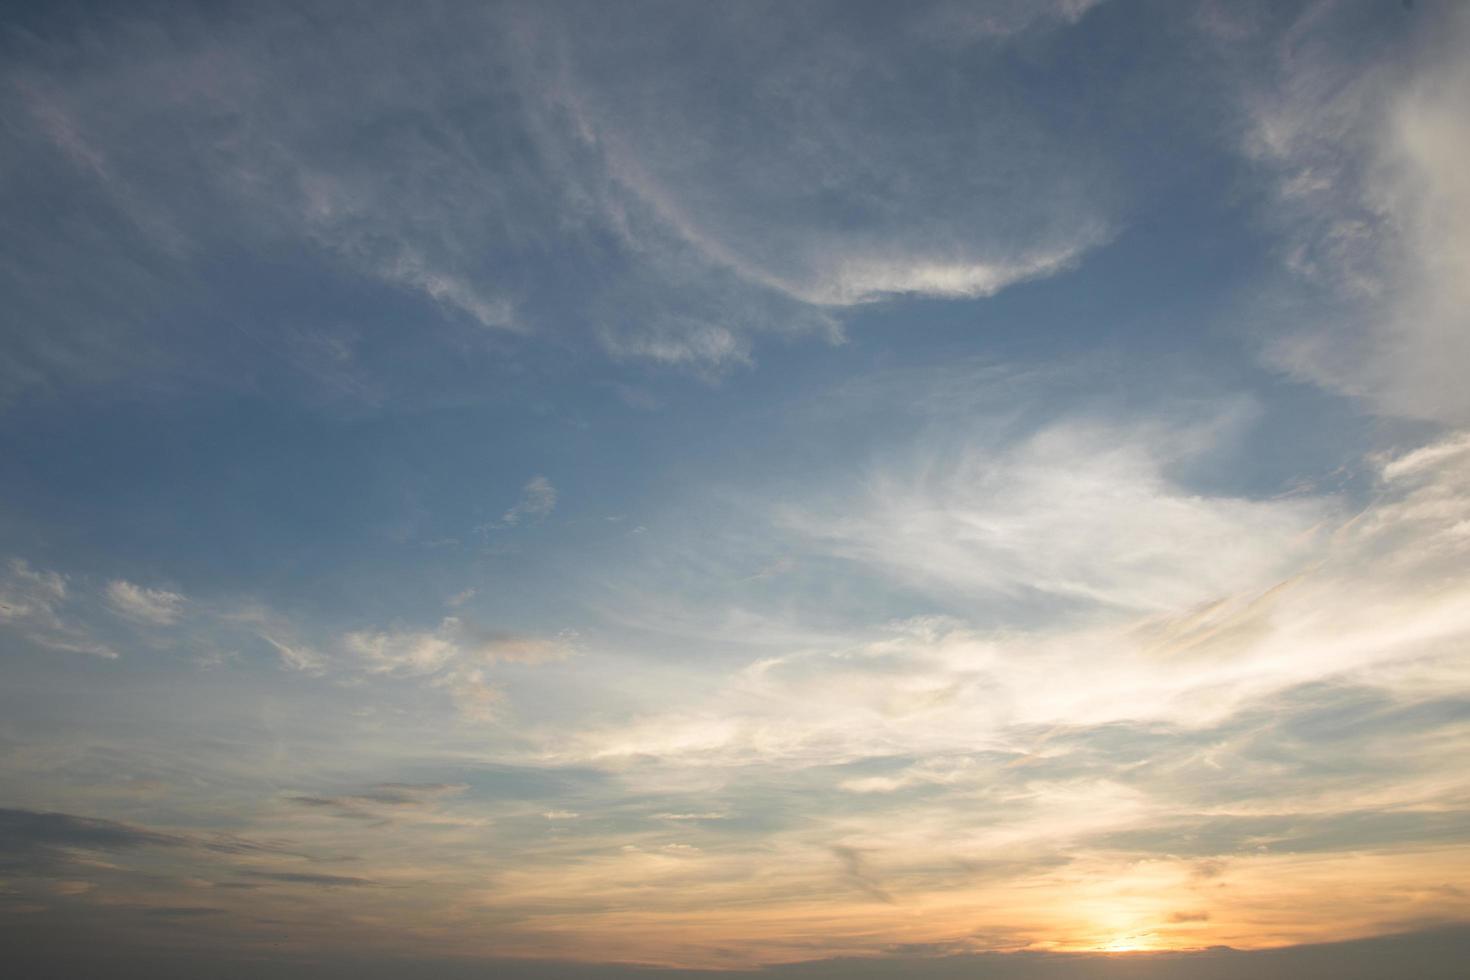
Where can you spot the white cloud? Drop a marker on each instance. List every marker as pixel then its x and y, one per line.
pixel 31 602
pixel 680 817
pixel 155 606
pixel 956 22
pixel 538 500
pixel 454 656
pixel 681 342
pixel 715 210
pixel 863 280
pixel 412 652
pixel 1080 511
pixel 1370 163
pixel 26 593
pixel 855 187
pixel 407 653
pixel 1257 601
pixel 297 656
pixel 450 291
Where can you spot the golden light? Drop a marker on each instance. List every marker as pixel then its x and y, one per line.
pixel 1136 943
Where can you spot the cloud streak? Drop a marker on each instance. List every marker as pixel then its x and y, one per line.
pixel 154 606
pixel 30 604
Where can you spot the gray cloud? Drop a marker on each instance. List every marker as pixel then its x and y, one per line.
pixel 856 872
pixel 379 802
pixel 182 911
pixel 46 843
pixel 308 878
pixel 39 838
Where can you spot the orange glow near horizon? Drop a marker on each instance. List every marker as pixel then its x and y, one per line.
pixel 1096 907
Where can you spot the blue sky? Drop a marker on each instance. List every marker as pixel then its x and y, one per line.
pixel 726 485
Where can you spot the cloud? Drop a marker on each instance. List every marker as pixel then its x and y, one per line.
pixel 585 191
pixel 308 878
pixel 455 639
pixel 1083 512
pixel 1342 831
pixel 382 802
pixel 538 500
pixel 154 606
pixel 1291 687
pixel 959 23
pixel 863 281
pixel 709 815
pixel 410 653
pixel 1372 200
pixel 450 291
pixel 278 633
pixel 855 870
pixel 30 837
pixel 47 843
pixel 29 594
pixel 454 656
pixel 1260 596
pixel 30 603
pixel 681 342
pixel 244 161
pixel 856 187
pixel 296 656
pixel 1265 724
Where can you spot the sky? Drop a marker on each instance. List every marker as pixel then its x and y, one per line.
pixel 790 489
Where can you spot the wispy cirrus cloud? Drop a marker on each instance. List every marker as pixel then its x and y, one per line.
pixel 1080 511
pixel 456 656
pixel 1239 612
pixel 453 186
pixel 156 606
pixel 1370 194
pixel 31 603
pixel 537 501
pixel 854 194
pixel 387 803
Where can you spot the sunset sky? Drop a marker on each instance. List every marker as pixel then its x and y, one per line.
pixel 826 489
